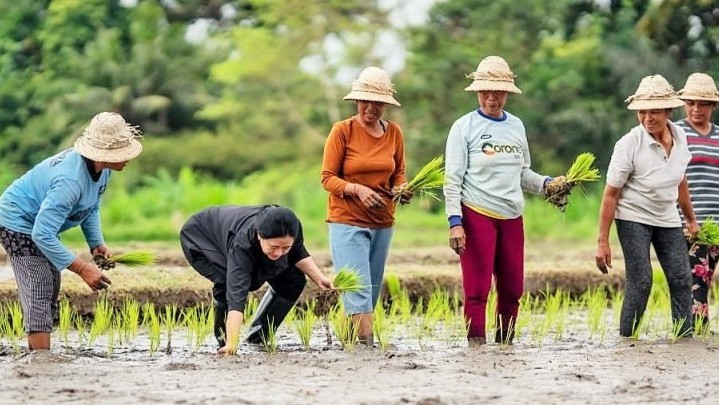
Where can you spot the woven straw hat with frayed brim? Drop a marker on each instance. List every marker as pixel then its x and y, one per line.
pixel 373 84
pixel 108 138
pixel 699 86
pixel 654 93
pixel 493 74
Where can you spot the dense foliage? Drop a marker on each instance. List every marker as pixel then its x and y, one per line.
pixel 232 87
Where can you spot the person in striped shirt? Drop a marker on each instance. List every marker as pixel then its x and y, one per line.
pixel 700 98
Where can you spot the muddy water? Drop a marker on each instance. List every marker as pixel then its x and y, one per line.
pixel 572 369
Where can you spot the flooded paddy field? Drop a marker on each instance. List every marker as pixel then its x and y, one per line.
pixel 567 348
pixel 570 369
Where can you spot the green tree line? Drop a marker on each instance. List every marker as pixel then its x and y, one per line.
pixel 260 82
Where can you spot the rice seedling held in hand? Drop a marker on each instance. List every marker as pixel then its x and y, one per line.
pixel 424 184
pixel 132 259
pixel 708 234
pixel 558 190
pixel 346 280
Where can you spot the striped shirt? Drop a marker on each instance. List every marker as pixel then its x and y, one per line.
pixel 703 171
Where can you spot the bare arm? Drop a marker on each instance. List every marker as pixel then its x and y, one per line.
pixel 685 203
pixel 233 326
pixel 610 198
pixel 309 267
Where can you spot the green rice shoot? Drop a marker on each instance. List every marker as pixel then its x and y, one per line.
pixel 429 178
pixel 347 280
pixel 134 259
pixel 708 234
pixel 581 170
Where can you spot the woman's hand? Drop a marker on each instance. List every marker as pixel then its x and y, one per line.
pixel 603 257
pixel 457 239
pixel 692 229
pixel 101 250
pixel 324 283
pixel 405 195
pixel 227 350
pixel 90 274
pixel 367 196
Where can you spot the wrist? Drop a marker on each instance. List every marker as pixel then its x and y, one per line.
pixel 76 266
pixel 454 220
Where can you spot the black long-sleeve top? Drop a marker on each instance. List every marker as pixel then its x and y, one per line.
pixel 230 232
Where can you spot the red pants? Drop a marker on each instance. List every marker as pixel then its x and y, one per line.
pixel 494 247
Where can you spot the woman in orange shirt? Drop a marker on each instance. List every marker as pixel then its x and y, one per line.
pixel 363 162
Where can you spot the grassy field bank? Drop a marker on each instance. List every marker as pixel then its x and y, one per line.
pixel 155 208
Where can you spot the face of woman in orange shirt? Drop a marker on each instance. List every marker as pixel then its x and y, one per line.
pixel 370 111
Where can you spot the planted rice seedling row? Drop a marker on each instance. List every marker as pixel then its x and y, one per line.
pixel 546 319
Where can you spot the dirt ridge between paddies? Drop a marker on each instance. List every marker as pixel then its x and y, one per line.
pixel 420 272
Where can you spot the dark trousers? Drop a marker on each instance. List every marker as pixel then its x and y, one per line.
pixel 671 249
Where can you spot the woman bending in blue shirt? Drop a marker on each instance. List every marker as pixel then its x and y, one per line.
pixel 60 193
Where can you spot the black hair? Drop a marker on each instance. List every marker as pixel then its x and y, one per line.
pixel 276 222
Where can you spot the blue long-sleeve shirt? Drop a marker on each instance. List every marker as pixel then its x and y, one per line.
pixel 57 194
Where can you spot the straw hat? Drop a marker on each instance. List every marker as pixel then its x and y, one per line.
pixel 699 86
pixel 108 138
pixel 654 93
pixel 373 84
pixel 493 73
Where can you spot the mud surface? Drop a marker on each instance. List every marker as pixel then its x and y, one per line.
pixel 565 372
pixel 571 369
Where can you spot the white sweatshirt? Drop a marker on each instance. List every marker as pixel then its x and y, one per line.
pixel 487 165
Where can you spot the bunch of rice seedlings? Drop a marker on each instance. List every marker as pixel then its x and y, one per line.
pixel 708 234
pixel 429 178
pixel 132 259
pixel 347 280
pixel 581 171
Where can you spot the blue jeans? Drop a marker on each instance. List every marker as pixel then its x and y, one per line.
pixel 365 251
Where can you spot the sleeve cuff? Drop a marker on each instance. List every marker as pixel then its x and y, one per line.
pixel 546 181
pixel 455 220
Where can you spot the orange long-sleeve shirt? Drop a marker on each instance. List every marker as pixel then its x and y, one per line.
pixel 353 156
